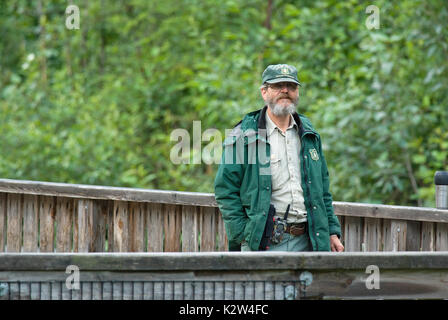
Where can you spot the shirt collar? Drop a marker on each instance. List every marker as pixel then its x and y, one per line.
pixel 271 126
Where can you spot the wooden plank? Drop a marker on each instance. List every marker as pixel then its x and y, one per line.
pixel 190 262
pixel 155 227
pixel 372 235
pixel 413 236
pixel 390 212
pixel 14 223
pixel 353 234
pixel 30 223
pixel 121 226
pixel 428 236
pixel 387 235
pixel 107 193
pixel 190 229
pixel 206 199
pixel 100 213
pixel 441 237
pixel 47 213
pixel 137 226
pixel 110 226
pixel 64 224
pixel 208 229
pixel 172 227
pixel 75 226
pixel 85 225
pixel 398 232
pixel 326 285
pixel 342 223
pixel 222 235
pixel 3 205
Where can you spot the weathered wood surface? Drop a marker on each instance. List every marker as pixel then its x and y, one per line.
pixel 106 193
pixel 79 218
pixel 224 275
pixel 205 199
pixel 201 261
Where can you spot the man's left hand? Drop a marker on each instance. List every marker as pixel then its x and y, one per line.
pixel 335 244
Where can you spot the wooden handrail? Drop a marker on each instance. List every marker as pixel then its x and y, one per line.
pixel 224 276
pixel 225 261
pixel 81 191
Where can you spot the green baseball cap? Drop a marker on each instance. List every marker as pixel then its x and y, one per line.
pixel 280 73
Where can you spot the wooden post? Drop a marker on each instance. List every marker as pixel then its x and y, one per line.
pixel 64 220
pixel 353 234
pixel 398 231
pixel 30 222
pixel 121 226
pixel 172 227
pixel 155 227
pixel 3 206
pixel 137 226
pixel 428 235
pixel 441 183
pixel 190 228
pixel 85 225
pixel 222 235
pixel 372 237
pixel 14 223
pixel 441 237
pixel 100 212
pixel 47 223
pixel 208 229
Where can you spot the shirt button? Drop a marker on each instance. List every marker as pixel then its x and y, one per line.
pixel 317 234
pixel 314 207
pixel 309 182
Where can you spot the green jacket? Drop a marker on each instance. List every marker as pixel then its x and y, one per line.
pixel 243 184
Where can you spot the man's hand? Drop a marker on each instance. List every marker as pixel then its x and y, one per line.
pixel 335 244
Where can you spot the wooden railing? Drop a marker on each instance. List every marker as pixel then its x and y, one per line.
pixel 223 276
pixel 56 217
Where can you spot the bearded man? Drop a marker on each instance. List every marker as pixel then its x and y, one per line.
pixel 291 187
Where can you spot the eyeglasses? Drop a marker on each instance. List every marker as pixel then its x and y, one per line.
pixel 279 86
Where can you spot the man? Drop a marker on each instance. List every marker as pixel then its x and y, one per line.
pixel 288 172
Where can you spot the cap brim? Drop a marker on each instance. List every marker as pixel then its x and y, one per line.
pixel 277 80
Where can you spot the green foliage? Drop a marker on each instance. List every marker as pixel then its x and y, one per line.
pixel 97 105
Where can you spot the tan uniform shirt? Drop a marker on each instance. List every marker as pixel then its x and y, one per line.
pixel 285 170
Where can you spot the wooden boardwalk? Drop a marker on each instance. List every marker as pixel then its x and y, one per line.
pixel 55 217
pixel 223 276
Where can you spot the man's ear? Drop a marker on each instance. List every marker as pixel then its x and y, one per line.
pixel 263 93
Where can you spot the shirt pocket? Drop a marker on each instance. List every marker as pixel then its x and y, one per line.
pixel 279 175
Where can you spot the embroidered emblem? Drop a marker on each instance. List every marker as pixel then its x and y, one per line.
pixel 314 154
pixel 285 70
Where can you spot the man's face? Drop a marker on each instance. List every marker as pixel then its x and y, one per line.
pixel 282 98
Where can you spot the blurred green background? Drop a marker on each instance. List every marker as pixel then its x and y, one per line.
pixel 97 105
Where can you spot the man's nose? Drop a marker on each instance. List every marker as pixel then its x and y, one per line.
pixel 284 88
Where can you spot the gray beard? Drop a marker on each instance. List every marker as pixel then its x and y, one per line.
pixel 280 111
